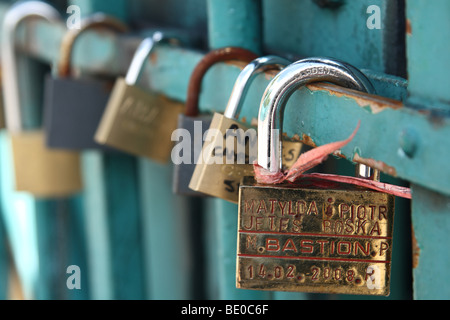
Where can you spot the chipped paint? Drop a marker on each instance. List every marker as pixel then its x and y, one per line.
pixel 296 137
pixel 408 27
pixel 308 141
pixel 375 104
pixel 375 164
pixel 269 75
pixel 415 249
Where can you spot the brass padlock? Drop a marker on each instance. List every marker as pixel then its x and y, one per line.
pixel 38 170
pixel 193 124
pixel 137 121
pixel 230 146
pixel 311 235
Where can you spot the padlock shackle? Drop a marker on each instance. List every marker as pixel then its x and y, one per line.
pixel 245 79
pixel 285 83
pixel 141 55
pixel 18 13
pixel 97 20
pixel 210 59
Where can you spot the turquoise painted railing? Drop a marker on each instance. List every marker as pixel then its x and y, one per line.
pixel 404 129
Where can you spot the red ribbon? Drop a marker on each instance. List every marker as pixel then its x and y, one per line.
pixel 315 157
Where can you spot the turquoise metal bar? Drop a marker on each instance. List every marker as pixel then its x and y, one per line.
pixel 95 209
pixel 428 66
pixel 172 249
pixel 111 200
pixel 77 248
pixel 430 216
pixel 394 120
pixel 5 261
pixel 235 22
pixel 116 8
pixel 167 236
pixel 428 82
pixel 124 222
pixel 304 29
pixel 230 23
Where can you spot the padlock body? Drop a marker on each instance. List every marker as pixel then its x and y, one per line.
pixel 139 122
pixel 43 172
pixel 314 236
pixel 72 112
pixel 213 175
pixel 221 179
pixel 185 158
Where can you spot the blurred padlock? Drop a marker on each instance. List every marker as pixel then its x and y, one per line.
pixel 74 106
pixel 138 121
pixel 194 124
pixel 2 105
pixel 230 147
pixel 38 170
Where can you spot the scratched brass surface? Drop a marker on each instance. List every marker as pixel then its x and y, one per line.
pixel 139 122
pixel 214 176
pixel 314 236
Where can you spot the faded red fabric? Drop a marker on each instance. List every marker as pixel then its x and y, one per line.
pixel 315 157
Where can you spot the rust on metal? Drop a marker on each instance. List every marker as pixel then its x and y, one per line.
pixel 415 249
pixel 154 58
pixel 97 21
pixel 296 137
pixel 376 103
pixel 376 164
pixel 210 59
pixel 308 141
pixel 408 27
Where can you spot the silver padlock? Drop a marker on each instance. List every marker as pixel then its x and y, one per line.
pixel 302 248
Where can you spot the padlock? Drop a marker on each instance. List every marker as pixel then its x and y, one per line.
pixel 230 146
pixel 311 235
pixel 138 121
pixel 74 105
pixel 195 123
pixel 42 172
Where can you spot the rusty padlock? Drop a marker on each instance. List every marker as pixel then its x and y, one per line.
pixel 192 124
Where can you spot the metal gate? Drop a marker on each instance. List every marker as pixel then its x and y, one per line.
pixel 131 237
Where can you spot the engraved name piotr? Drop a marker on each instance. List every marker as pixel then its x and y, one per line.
pixel 333 218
